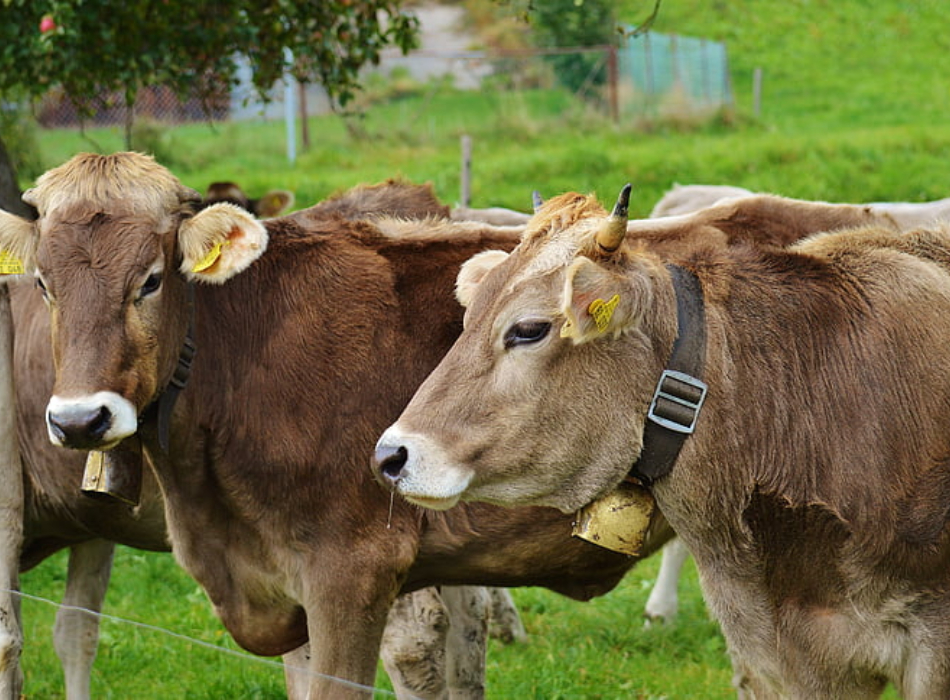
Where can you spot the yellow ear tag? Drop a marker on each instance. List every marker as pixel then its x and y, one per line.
pixel 211 258
pixel 601 311
pixel 10 265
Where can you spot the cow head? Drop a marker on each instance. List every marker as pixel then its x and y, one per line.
pixel 542 399
pixel 267 206
pixel 114 249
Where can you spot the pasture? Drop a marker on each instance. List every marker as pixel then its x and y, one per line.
pixel 854 120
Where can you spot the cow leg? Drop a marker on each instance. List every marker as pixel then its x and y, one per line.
pixel 346 616
pixel 505 624
pixel 11 515
pixel 11 635
pixel 664 600
pixel 295 672
pixel 76 632
pixel 467 643
pixel 414 645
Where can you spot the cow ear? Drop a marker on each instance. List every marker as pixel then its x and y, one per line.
pixel 18 241
pixel 273 203
pixel 219 242
pixel 473 271
pixel 598 302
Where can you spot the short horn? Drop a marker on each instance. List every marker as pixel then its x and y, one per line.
pixel 187 194
pixel 610 235
pixel 536 200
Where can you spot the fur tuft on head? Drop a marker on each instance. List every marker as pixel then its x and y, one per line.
pixel 562 212
pixel 131 180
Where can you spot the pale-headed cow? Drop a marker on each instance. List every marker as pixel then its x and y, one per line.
pixel 685 199
pixel 814 491
pixel 270 502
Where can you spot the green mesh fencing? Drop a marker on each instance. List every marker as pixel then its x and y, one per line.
pixel 666 75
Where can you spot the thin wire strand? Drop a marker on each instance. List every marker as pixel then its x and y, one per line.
pixel 201 643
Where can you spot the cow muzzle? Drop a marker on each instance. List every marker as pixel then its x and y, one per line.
pixel 94 422
pixel 419 471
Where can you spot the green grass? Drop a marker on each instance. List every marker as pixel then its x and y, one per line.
pixel 596 650
pixel 854 109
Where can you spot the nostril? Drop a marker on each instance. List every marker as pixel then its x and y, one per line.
pixel 100 423
pixel 391 461
pixel 56 429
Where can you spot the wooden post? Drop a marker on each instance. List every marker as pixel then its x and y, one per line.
pixel 757 92
pixel 302 108
pixel 612 80
pixel 465 196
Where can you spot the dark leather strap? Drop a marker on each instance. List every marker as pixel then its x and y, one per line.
pixel 166 402
pixel 161 408
pixel 680 390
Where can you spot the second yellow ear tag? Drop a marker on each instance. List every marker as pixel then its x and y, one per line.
pixel 211 258
pixel 602 311
pixel 10 265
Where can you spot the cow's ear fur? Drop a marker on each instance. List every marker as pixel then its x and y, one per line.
pixel 598 302
pixel 219 242
pixel 18 242
pixel 273 203
pixel 473 271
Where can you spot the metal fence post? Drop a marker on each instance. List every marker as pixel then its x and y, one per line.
pixel 465 196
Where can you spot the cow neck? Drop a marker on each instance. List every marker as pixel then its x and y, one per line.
pixel 680 391
pixel 162 406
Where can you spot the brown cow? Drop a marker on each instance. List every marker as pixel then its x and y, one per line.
pixel 266 206
pixel 813 493
pixel 57 515
pixel 269 500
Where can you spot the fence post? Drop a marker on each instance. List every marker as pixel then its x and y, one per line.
pixel 612 79
pixel 465 197
pixel 290 108
pixel 757 92
pixel 302 108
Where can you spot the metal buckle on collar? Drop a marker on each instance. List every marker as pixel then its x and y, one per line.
pixel 676 401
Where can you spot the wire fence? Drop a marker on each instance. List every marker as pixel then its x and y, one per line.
pixel 651 75
pixel 243 657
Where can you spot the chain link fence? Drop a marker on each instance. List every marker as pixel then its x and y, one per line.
pixel 650 76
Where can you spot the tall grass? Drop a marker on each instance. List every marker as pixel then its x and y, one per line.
pixel 853 110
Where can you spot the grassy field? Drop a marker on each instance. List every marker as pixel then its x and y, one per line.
pixel 854 109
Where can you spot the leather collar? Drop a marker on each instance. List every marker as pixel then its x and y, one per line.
pixel 161 407
pixel 680 391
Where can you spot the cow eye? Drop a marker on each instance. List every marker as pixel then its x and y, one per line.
pixel 151 284
pixel 526 332
pixel 42 287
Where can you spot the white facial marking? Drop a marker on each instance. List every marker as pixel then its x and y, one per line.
pixel 123 420
pixel 427 477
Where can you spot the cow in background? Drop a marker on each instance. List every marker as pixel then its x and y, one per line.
pixel 810 399
pixel 269 205
pixel 686 199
